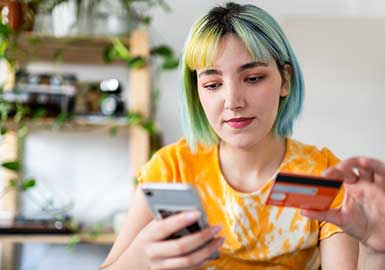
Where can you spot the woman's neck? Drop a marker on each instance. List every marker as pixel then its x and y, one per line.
pixel 247 169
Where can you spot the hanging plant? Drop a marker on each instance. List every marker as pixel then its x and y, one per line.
pixel 103 17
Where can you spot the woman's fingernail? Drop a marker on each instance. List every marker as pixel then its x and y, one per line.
pixel 216 229
pixel 221 241
pixel 193 215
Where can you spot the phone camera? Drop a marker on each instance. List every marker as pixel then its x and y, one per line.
pixel 148 193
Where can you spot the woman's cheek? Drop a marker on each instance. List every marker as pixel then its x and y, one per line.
pixel 206 101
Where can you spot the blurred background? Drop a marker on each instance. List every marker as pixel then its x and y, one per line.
pixel 84 173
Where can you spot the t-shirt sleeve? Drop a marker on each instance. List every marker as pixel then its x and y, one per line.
pixel 155 170
pixel 328 229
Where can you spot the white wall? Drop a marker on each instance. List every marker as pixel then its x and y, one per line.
pixel 342 59
pixel 343 110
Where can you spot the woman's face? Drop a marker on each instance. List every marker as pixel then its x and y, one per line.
pixel 239 95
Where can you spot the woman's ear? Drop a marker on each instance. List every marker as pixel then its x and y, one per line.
pixel 285 88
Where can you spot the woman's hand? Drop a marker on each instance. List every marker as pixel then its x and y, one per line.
pixel 188 252
pixel 362 214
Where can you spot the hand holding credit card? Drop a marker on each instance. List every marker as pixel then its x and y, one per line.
pixel 303 191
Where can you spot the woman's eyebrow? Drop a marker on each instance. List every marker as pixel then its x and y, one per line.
pixel 210 72
pixel 240 69
pixel 252 65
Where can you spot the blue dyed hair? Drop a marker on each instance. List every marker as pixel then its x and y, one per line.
pixel 264 40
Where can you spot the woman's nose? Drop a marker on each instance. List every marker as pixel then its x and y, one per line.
pixel 234 100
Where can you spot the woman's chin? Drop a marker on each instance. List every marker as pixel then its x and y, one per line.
pixel 245 141
pixel 241 143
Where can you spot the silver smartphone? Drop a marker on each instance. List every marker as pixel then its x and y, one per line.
pixel 170 199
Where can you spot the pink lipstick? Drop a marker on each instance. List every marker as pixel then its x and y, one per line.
pixel 239 123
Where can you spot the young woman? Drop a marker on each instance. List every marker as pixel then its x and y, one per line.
pixel 242 90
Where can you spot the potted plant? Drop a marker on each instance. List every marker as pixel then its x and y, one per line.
pixel 94 17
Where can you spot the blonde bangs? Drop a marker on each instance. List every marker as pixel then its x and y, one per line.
pixel 201 48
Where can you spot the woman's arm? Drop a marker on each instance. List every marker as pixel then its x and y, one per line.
pixel 143 244
pixel 339 251
pixel 139 215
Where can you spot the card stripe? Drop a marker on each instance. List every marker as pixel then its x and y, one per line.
pixel 311 180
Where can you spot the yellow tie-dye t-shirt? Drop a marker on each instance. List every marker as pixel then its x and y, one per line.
pixel 257 236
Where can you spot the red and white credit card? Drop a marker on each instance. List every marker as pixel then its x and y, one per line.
pixel 303 191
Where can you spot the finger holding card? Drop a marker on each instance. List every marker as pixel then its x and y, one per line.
pixel 362 213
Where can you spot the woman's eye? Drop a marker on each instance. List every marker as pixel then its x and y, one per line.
pixel 253 79
pixel 211 86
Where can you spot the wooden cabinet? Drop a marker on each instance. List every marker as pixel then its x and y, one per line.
pixel 86 51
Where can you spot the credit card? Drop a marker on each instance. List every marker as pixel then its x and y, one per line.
pixel 303 191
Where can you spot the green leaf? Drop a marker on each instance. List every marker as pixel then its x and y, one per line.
pixel 73 225
pixel 155 143
pixel 58 56
pixel 134 118
pixel 3 48
pixel 39 113
pixel 149 126
pixel 156 96
pixel 146 20
pixel 34 40
pixel 164 5
pixel 170 63
pixel 60 119
pixel 3 131
pixel 4 30
pixel 4 110
pixel 114 130
pixel 18 116
pixel 136 62
pixel 110 54
pixel 96 230
pixel 162 50
pixel 120 49
pixel 21 111
pixel 22 132
pixel 27 184
pixel 72 242
pixel 12 165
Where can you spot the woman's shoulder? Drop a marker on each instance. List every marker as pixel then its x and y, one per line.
pixel 176 163
pixel 299 147
pixel 181 149
pixel 310 155
pixel 179 146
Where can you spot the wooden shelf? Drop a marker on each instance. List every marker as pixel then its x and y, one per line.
pixel 100 120
pixel 77 122
pixel 102 239
pixel 76 50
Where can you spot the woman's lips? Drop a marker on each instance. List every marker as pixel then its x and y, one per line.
pixel 238 123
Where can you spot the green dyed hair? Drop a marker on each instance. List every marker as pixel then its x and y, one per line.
pixel 264 40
